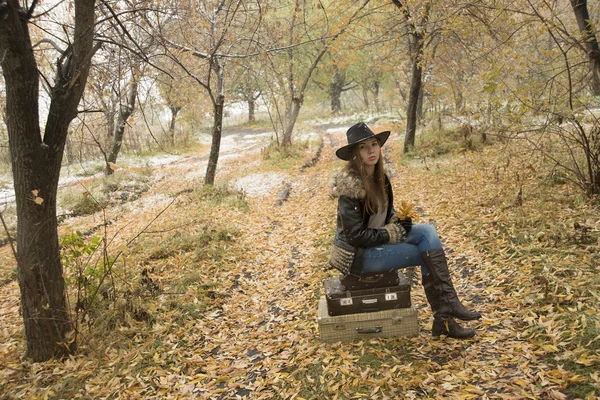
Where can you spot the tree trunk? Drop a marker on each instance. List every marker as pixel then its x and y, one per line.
pixel 376 96
pixel 291 118
pixel 365 94
pixel 124 114
pixel 417 43
pixel 36 170
pixel 413 96
pixel 420 103
pixel 335 91
pixel 458 101
pixel 174 111
pixel 590 41
pixel 251 109
pixel 211 169
pixel 218 106
pixel 336 102
pixel 402 92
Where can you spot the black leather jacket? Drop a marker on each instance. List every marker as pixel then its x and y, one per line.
pixel 352 233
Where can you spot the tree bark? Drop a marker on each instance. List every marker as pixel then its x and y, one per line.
pixel 420 100
pixel 413 96
pixel 291 118
pixel 591 43
pixel 36 166
pixel 336 102
pixel 376 96
pixel 174 111
pixel 213 159
pixel 402 92
pixel 124 113
pixel 218 106
pixel 336 89
pixel 458 101
pixel 251 109
pixel 365 95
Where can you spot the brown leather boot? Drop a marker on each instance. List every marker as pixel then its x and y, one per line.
pixel 451 328
pixel 450 305
pixel 448 327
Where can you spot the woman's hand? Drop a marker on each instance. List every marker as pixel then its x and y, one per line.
pixel 406 224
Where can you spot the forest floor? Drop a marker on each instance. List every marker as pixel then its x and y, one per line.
pixel 214 291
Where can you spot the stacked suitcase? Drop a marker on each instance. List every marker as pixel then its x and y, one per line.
pixel 377 306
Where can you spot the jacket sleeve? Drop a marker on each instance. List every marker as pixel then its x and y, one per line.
pixel 356 232
pixel 393 217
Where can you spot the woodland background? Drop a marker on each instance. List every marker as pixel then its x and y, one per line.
pixel 164 194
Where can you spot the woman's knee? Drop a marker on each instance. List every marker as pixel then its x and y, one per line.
pixel 427 236
pixel 425 229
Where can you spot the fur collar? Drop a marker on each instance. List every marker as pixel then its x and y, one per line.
pixel 347 184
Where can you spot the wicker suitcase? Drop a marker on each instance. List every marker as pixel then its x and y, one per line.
pixel 341 301
pixel 388 323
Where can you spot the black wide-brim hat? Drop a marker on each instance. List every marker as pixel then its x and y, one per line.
pixel 359 133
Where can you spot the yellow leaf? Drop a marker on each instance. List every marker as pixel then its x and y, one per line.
pixel 585 361
pixel 406 210
pixel 550 348
pixel 35 192
pixel 38 200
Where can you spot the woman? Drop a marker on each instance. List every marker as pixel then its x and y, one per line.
pixel 371 239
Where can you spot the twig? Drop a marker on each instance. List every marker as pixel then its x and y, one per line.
pixel 10 239
pixel 150 223
pixel 51 42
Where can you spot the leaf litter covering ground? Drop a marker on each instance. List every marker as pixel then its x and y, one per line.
pixel 237 317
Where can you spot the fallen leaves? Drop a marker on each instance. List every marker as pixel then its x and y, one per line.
pixel 244 324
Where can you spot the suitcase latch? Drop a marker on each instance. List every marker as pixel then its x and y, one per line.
pixel 391 296
pixel 346 301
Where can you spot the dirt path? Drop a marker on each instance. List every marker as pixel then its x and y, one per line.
pixel 267 327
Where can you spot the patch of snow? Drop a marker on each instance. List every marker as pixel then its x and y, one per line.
pixel 309 136
pixel 7 195
pixel 156 201
pixel 194 174
pixel 204 138
pixel 225 157
pixel 260 184
pixel 163 159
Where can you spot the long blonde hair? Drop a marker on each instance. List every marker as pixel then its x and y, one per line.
pixel 374 186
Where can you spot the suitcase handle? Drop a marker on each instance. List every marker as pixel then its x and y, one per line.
pixel 377 329
pixel 369 305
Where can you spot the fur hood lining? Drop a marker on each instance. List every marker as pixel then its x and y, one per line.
pixel 347 184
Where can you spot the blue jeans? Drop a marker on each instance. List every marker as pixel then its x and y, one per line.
pixel 388 257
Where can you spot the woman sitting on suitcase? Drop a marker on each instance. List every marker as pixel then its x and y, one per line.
pixel 371 239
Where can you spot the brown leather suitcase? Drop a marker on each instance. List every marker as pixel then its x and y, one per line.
pixel 342 301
